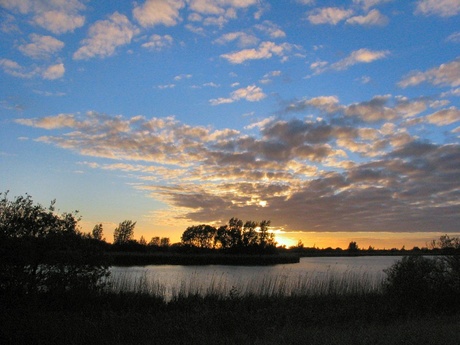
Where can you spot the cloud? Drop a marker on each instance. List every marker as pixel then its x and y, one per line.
pixel 446 74
pixel 217 12
pixel 373 18
pixel 207 7
pixel 219 7
pixel 105 36
pixel 360 56
pixel 54 72
pixel 157 42
pixel 374 110
pixel 453 92
pixel 242 38
pixel 300 169
pixel 267 77
pixel 366 4
pixel 183 76
pixel 16 70
pixel 59 22
pixel 245 39
pixel 50 122
pixel 379 108
pixel 13 68
pixel 306 2
pixel 328 104
pixel 49 93
pixel 455 37
pixel 58 16
pixel 211 84
pixel 442 8
pixel 166 86
pixel 21 6
pixel 41 47
pixel 156 12
pixel 356 57
pixel 265 51
pixel 444 117
pixel 250 93
pixel 328 15
pixel 271 29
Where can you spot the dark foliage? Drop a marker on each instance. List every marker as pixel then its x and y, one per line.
pixel 134 318
pixel 426 283
pixel 234 237
pixel 124 232
pixel 42 251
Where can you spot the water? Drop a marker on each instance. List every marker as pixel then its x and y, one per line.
pixel 310 275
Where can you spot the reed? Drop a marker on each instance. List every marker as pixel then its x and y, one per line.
pixel 346 308
pixel 281 285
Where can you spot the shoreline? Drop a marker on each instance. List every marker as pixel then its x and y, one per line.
pixel 144 259
pixel 236 259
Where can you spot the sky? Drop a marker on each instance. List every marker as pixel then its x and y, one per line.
pixel 336 120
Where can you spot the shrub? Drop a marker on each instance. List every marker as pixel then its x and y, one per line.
pixel 42 251
pixel 421 283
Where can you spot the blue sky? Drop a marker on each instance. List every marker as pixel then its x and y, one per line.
pixel 336 120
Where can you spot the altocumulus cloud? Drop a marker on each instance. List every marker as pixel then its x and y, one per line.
pixel 105 36
pixel 355 167
pixel 55 16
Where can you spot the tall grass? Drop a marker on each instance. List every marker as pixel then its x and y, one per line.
pixel 281 285
pixel 329 307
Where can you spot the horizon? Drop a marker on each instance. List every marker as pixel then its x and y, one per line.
pixel 336 121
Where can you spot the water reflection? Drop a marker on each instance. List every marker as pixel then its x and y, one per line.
pixel 310 276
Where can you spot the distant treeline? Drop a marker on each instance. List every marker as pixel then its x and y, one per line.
pixel 242 237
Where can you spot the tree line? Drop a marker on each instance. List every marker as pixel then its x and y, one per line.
pixel 236 236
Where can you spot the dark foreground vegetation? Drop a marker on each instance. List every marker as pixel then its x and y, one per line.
pixel 143 319
pixel 54 289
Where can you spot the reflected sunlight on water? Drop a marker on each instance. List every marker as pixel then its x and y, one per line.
pixel 311 276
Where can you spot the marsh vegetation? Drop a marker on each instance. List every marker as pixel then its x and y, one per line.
pixel 56 288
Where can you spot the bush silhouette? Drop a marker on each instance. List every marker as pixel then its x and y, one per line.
pixel 43 251
pixel 424 284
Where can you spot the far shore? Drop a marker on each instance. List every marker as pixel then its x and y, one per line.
pixel 143 259
pixel 238 259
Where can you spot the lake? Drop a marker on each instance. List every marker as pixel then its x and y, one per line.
pixel 312 275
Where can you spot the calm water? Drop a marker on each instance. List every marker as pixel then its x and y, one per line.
pixel 319 274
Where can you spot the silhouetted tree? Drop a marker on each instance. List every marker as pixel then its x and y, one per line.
pixel 201 236
pixel 267 239
pixel 45 251
pixel 154 241
pixel 142 241
pixel 222 239
pixel 97 232
pixel 235 229
pixel 165 242
pixel 124 232
pixel 250 235
pixel 446 244
pixel 230 235
pixel 353 247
